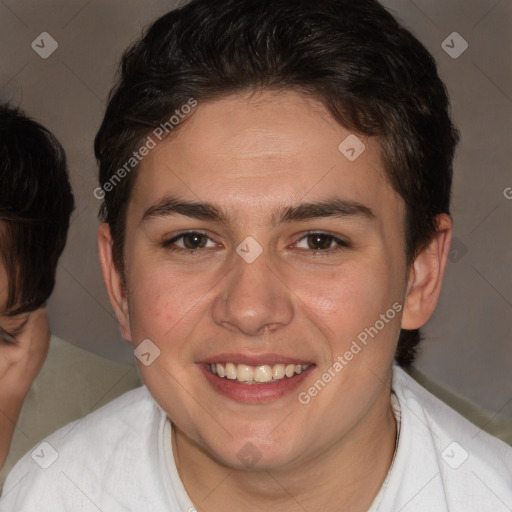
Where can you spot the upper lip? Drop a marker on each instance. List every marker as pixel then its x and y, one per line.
pixel 254 359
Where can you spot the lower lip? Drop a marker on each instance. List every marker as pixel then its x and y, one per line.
pixel 254 393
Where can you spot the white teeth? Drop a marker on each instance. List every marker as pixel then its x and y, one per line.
pixel 278 371
pixel 289 370
pixel 244 373
pixel 231 371
pixel 261 374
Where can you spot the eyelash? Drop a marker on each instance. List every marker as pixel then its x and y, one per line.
pixel 341 244
pixel 7 337
pixel 10 337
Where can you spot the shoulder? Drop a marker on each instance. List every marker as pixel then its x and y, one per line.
pixel 130 416
pixel 76 363
pixel 470 466
pixel 105 455
pixel 72 383
pixel 447 424
pixel 494 423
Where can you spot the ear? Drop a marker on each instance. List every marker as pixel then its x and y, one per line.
pixel 113 280
pixel 426 276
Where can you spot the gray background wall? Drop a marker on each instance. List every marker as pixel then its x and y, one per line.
pixel 469 339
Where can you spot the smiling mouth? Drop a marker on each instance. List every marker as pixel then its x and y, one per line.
pixel 262 374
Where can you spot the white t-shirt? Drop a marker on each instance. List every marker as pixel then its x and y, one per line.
pixel 119 459
pixel 91 381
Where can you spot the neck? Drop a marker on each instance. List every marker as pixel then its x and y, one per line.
pixel 346 476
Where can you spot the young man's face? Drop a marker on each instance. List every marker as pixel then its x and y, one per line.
pixel 258 164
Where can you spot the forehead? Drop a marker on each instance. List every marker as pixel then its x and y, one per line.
pixel 261 150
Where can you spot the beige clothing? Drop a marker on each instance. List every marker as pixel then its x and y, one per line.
pixel 71 384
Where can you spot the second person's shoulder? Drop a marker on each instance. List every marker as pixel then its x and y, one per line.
pixel 107 453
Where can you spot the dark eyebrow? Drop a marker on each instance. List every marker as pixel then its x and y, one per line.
pixel 169 206
pixel 306 211
pixel 329 208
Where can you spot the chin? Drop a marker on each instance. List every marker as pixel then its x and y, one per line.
pixel 249 453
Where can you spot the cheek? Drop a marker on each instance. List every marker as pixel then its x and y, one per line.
pixel 164 302
pixel 348 300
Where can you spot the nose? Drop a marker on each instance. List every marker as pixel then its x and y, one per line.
pixel 254 299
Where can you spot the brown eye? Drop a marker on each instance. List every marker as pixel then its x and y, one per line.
pixel 190 241
pixel 321 242
pixel 194 240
